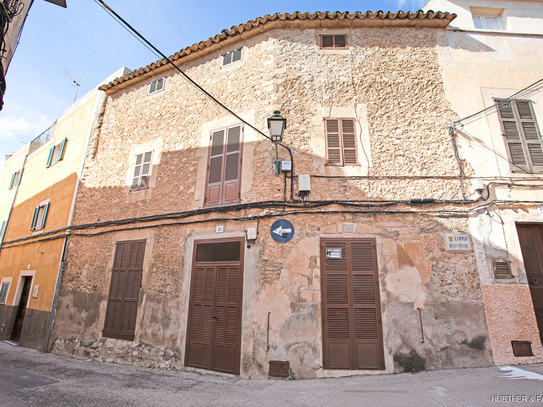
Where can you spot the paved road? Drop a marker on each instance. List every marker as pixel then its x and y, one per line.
pixel 31 378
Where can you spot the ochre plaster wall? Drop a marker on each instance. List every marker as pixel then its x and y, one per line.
pixel 510 317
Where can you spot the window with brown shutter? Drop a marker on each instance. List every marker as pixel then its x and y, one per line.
pixel 224 166
pixel 521 135
pixel 334 41
pixel 340 142
pixel 122 304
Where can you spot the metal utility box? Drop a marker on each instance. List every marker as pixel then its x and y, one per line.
pixel 304 184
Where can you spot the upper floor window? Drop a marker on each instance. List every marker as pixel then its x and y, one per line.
pixel 333 41
pixel 521 135
pixel 56 153
pixel 231 57
pixel 224 166
pixel 15 179
pixel 340 142
pixel 39 217
pixel 142 170
pixel 156 86
pixel 487 22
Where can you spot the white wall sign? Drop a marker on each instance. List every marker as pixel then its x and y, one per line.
pixel 457 242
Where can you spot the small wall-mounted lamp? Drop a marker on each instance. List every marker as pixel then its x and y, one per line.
pixel 276 125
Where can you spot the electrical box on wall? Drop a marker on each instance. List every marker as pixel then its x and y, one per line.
pixel 251 233
pixel 286 166
pixel 304 184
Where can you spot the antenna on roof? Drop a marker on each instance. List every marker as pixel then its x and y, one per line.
pixel 77 83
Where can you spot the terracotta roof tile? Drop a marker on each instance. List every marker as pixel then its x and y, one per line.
pixel 237 30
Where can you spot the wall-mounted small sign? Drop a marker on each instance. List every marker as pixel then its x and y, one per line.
pixel 457 242
pixel 282 231
pixel 334 253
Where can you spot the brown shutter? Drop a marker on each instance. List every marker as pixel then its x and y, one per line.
pixel 224 168
pixel 340 41
pixel 521 135
pixel 232 166
pixel 333 143
pixel 215 166
pixel 124 290
pixel 352 331
pixel 341 142
pixel 349 142
pixel 327 41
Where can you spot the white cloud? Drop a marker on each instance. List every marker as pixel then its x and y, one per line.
pixel 12 127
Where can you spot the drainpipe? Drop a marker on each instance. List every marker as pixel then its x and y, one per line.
pixel 101 96
pixel 14 198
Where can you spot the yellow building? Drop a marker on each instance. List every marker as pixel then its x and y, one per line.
pixel 38 186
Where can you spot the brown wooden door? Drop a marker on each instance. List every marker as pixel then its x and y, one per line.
pixel 352 327
pixel 531 243
pixel 214 325
pixel 16 335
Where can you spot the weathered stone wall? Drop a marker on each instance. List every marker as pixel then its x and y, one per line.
pixel 389 82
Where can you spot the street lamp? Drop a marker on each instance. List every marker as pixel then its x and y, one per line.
pixel 277 124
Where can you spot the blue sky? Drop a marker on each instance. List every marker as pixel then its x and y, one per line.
pixel 84 38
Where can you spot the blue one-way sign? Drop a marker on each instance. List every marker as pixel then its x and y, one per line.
pixel 282 231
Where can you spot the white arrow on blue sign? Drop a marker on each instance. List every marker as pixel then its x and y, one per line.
pixel 282 231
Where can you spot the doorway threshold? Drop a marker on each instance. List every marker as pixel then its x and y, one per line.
pixel 12 343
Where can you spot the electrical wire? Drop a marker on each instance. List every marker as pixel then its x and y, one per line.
pixel 157 52
pixel 447 213
pixel 523 93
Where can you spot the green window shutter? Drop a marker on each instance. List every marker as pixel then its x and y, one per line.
pixel 50 157
pixel 61 150
pixel 35 218
pixel 12 180
pixel 44 217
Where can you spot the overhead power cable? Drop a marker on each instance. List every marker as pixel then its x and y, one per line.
pixel 157 52
pixel 523 93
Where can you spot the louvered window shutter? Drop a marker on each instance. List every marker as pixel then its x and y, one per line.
pixel 121 312
pixel 349 142
pixel 333 142
pixel 61 149
pixel 12 180
pixel 521 135
pixel 341 142
pixel 232 166
pixel 340 41
pixel 215 168
pixel 327 41
pixel 44 215
pixel 50 157
pixel 35 218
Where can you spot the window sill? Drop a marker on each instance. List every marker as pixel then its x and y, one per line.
pixel 135 195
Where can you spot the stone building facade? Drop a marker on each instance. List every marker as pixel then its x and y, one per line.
pixel 176 261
